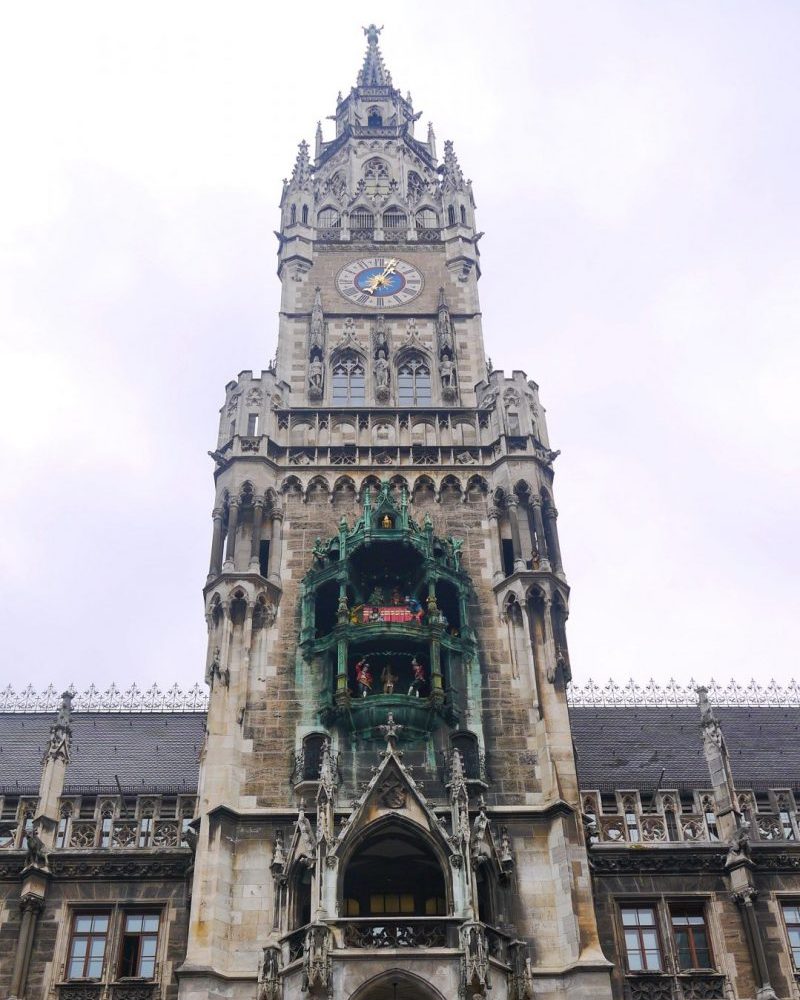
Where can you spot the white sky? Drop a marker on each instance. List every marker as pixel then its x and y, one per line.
pixel 636 170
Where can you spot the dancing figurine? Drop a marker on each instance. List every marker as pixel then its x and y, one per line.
pixel 418 677
pixel 363 678
pixel 388 679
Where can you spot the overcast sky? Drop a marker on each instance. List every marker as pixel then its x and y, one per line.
pixel 635 166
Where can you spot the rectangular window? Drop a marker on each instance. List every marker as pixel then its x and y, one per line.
pixel 252 424
pixel 642 946
pixel 689 929
pixel 87 946
pixel 791 914
pixel 391 903
pixel 138 947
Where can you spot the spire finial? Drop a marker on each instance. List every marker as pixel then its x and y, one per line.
pixel 390 730
pixel 373 72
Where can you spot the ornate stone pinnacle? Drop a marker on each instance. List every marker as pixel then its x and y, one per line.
pixel 390 730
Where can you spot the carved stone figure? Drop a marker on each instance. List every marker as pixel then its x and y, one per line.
pixel 306 840
pixel 35 849
pixel 316 374
pixel 447 372
pixel 388 679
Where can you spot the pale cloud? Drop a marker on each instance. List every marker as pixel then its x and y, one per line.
pixel 635 170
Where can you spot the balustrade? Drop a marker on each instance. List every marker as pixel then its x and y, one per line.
pixel 413 932
pixel 686 986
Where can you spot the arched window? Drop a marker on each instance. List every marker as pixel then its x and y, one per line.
pixel 427 219
pixel 312 756
pixel 362 218
pixel 377 176
pixel 293 215
pixel 305 214
pixel 328 218
pixel 414 382
pixel 348 380
pixel 394 873
pixel 416 186
pixel 467 746
pixel 463 216
pixel 451 216
pixel 374 118
pixel 395 218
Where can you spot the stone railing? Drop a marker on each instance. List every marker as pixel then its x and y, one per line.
pixel 686 986
pixel 124 834
pixel 691 828
pixel 393 932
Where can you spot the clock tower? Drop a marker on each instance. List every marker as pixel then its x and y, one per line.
pixel 389 808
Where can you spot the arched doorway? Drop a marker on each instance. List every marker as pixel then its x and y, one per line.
pixel 396 985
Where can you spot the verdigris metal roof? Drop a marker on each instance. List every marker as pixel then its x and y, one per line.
pixel 626 746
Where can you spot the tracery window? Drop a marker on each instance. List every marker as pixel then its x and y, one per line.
pixel 377 176
pixel 395 218
pixel 414 383
pixel 427 219
pixel 361 218
pixel 348 381
pixel 374 118
pixel 328 218
pixel 416 186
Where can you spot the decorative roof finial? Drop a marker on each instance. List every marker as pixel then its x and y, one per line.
pixel 61 730
pixel 390 731
pixel 373 73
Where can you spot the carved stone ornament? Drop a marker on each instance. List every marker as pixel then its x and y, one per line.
pixel 392 794
pixel 466 458
pixel 270 986
pixel 301 458
pixel 475 962
pixel 254 397
pixel 382 458
pixel 317 978
pixel 249 444
pixel 233 403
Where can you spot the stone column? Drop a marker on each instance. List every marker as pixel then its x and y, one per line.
pixel 215 567
pixel 275 548
pixel 31 906
pixel 553 548
pixel 233 523
pixel 519 564
pixel 255 545
pixel 744 899
pixel 494 516
pixel 538 527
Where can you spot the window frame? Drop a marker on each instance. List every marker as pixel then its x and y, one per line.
pixel 419 368
pixel 637 905
pixel 789 926
pixel 686 908
pixel 125 914
pixel 73 934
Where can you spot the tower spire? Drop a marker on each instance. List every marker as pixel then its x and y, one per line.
pixel 373 73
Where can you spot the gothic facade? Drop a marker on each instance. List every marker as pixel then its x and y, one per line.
pixel 388 795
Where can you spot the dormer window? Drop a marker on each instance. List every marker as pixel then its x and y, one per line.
pixel 374 118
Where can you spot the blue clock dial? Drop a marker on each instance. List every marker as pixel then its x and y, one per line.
pixel 376 281
pixel 379 281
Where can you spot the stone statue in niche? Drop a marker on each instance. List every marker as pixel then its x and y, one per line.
pixel 379 338
pixel 447 372
pixel 316 375
pixel 381 377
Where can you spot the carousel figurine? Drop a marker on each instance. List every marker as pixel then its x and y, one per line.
pixel 397 598
pixel 363 678
pixel 388 679
pixel 376 597
pixel 414 606
pixel 417 678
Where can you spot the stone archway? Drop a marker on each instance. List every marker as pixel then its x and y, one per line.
pixel 396 985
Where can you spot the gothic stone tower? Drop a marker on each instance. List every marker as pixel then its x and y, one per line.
pixel 389 807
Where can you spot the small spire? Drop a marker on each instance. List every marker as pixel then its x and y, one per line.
pixel 452 175
pixel 318 141
pixel 373 73
pixel 301 173
pixel 61 730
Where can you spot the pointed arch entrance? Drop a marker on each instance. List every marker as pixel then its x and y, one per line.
pixel 396 985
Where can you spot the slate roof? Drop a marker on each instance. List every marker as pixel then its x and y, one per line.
pixel 619 747
pixel 148 751
pixel 626 747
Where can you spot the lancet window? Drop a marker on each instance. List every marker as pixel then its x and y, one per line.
pixel 414 382
pixel 348 382
pixel 427 219
pixel 328 218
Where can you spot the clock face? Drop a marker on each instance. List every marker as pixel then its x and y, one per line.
pixel 379 281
